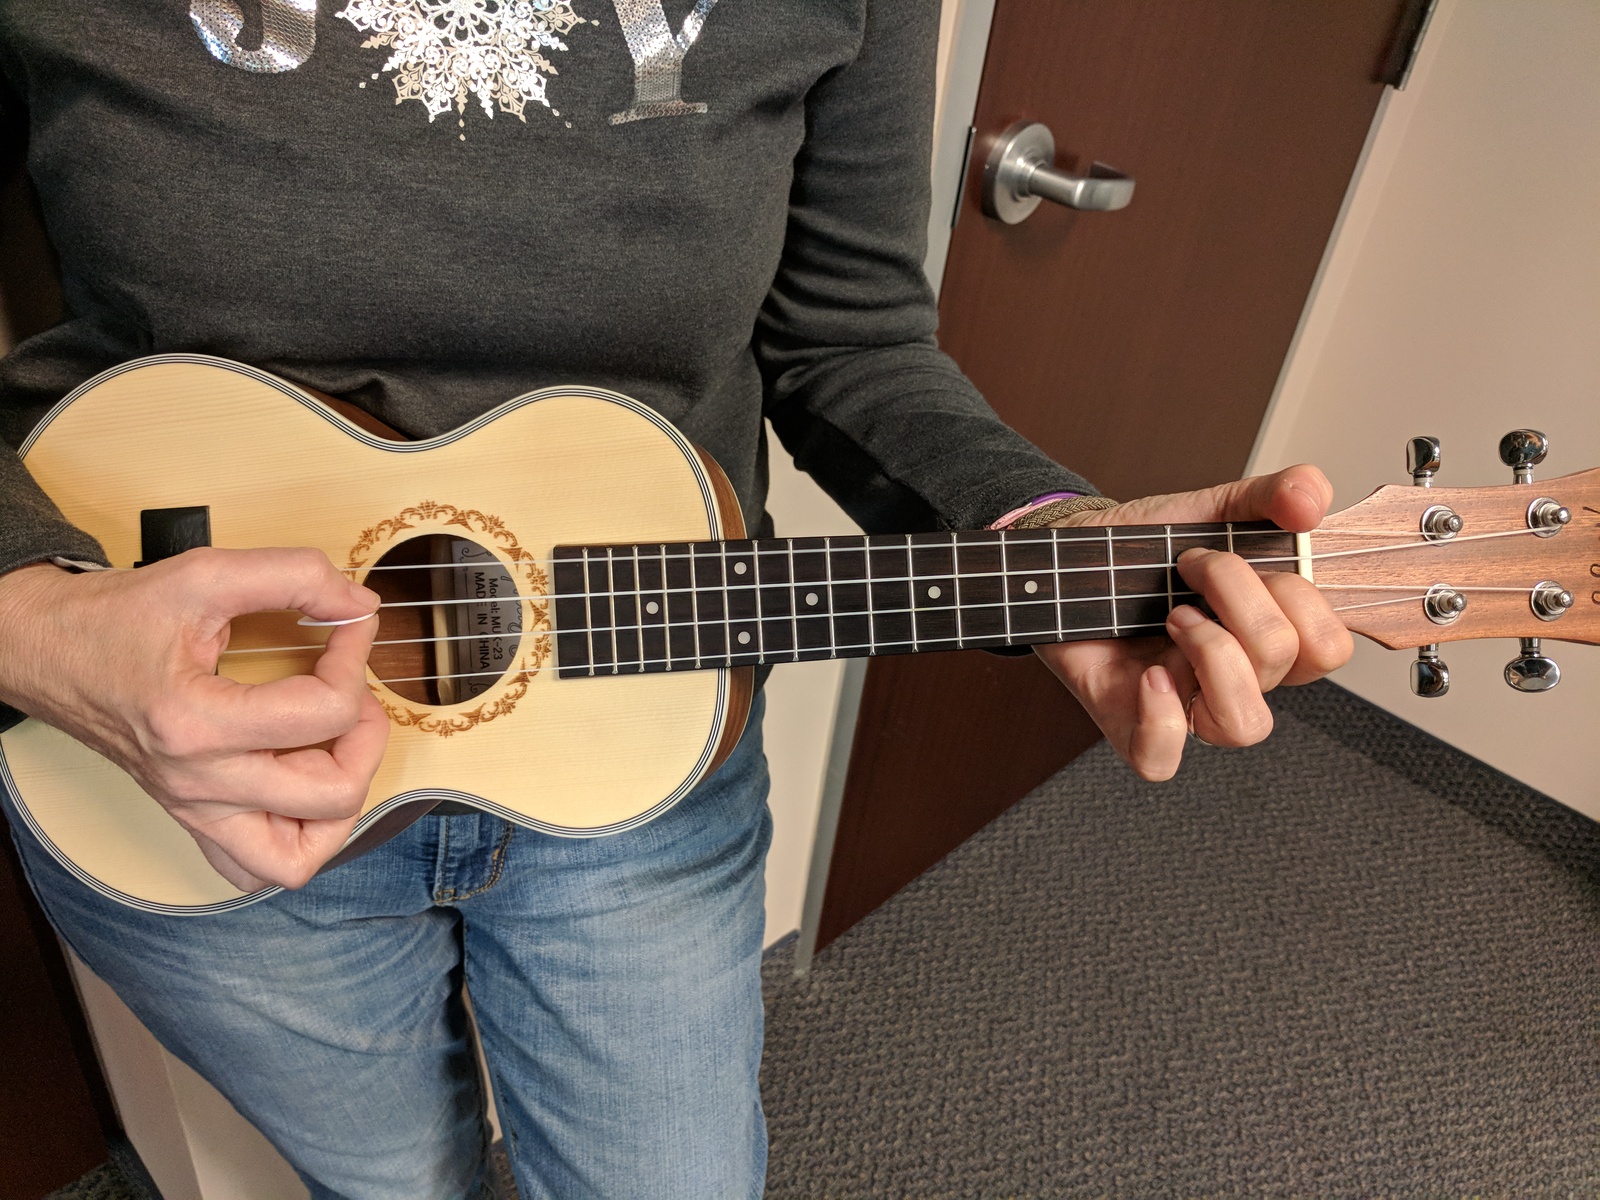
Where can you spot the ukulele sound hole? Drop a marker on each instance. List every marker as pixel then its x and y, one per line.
pixel 452 621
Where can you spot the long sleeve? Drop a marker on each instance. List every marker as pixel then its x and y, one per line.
pixel 857 388
pixel 32 529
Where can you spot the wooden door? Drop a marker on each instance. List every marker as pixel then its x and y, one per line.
pixel 1140 347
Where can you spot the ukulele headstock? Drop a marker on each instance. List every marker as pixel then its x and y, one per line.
pixel 1416 566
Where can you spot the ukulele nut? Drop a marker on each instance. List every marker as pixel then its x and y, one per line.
pixel 1443 604
pixel 1546 517
pixel 1549 600
pixel 1440 524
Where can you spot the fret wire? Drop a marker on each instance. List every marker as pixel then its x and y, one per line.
pixel 638 604
pixel 827 566
pixel 1230 537
pixel 1055 571
pixel 727 609
pixel 666 617
pixel 588 615
pixel 866 565
pixel 1005 588
pixel 1169 565
pixel 911 590
pixel 1111 576
pixel 955 568
pixel 694 600
pixel 794 602
pixel 761 623
pixel 611 583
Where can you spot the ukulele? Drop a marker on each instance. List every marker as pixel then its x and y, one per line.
pixel 572 612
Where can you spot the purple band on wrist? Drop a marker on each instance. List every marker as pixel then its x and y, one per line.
pixel 1036 502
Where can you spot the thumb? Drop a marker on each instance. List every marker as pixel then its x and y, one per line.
pixel 1295 498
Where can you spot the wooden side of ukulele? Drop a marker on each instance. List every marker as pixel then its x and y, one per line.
pixel 276 467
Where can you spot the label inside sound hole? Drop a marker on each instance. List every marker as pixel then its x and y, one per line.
pixel 477 618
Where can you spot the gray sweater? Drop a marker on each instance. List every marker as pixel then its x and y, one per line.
pixel 715 207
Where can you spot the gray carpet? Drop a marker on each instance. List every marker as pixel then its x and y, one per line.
pixel 1348 962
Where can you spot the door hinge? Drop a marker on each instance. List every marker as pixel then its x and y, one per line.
pixel 1408 34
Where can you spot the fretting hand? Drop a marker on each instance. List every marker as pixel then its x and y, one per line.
pixel 269 778
pixel 1147 694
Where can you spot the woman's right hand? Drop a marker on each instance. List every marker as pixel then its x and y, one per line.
pixel 268 778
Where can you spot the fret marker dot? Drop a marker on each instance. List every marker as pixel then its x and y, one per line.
pixel 811 597
pixel 1030 587
pixel 738 568
pixel 934 593
pixel 744 637
pixel 652 607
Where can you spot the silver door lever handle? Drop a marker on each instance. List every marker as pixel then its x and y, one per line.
pixel 1020 173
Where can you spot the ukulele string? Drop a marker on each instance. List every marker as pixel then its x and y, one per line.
pixel 1413 597
pixel 638 594
pixel 784 551
pixel 639 627
pixel 753 584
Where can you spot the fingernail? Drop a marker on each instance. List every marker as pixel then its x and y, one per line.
pixel 1186 616
pixel 365 596
pixel 1160 679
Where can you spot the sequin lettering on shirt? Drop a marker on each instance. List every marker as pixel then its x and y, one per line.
pixel 658 58
pixel 444 52
pixel 288 33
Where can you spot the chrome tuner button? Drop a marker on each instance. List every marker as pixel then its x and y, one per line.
pixel 1531 671
pixel 1444 604
pixel 1429 676
pixel 1546 517
pixel 1549 600
pixel 1522 450
pixel 1422 460
pixel 1440 524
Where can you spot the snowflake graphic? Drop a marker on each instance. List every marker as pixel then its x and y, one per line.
pixel 447 50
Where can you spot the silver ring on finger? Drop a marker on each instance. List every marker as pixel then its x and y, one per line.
pixel 1189 713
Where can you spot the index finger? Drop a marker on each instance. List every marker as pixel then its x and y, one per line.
pixel 231 583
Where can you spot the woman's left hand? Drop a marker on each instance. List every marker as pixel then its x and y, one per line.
pixel 1148 694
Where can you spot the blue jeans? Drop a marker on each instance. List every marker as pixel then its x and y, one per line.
pixel 615 984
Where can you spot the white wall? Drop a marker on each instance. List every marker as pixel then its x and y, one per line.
pixel 1461 298
pixel 803 699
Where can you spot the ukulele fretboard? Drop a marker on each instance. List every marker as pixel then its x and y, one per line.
pixel 679 606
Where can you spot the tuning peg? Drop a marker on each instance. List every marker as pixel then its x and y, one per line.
pixel 1549 600
pixel 1531 671
pixel 1522 450
pixel 1422 460
pixel 1429 676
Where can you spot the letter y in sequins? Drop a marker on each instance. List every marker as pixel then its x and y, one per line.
pixel 658 58
pixel 288 32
